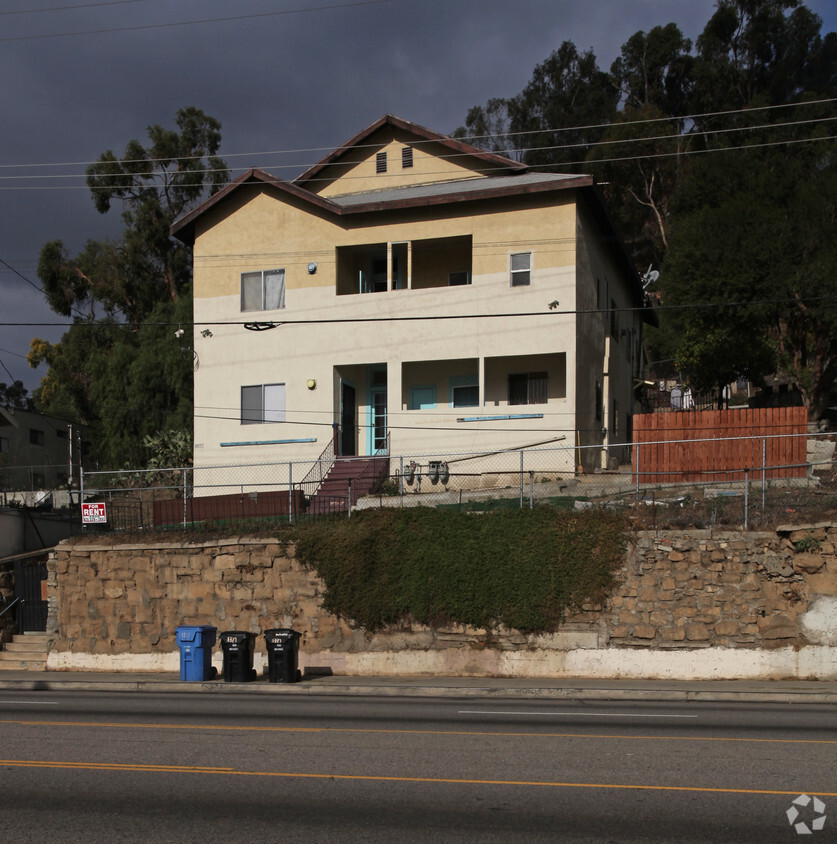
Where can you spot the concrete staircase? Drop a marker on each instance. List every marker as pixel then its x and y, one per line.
pixel 26 651
pixel 365 473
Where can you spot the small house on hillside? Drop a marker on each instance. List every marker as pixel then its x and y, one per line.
pixel 423 296
pixel 37 453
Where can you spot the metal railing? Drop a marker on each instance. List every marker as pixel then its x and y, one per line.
pixel 320 469
pixel 7 608
pixel 267 494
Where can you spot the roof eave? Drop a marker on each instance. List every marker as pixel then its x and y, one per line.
pixel 183 228
pixel 469 196
pixel 460 147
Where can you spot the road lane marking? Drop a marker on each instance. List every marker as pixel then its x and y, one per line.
pixel 121 725
pixel 182 769
pixel 583 714
pixel 116 766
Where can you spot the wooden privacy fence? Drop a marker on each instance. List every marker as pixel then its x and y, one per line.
pixel 711 446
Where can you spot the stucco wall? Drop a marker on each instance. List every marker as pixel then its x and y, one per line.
pixel 686 604
pixel 229 356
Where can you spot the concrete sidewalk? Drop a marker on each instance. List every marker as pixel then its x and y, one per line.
pixel 729 691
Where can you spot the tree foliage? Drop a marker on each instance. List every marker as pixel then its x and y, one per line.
pixel 15 395
pixel 120 368
pixel 564 108
pixel 716 161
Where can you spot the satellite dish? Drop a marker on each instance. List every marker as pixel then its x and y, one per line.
pixel 650 277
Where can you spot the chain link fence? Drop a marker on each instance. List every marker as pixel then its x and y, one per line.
pixel 41 485
pixel 270 494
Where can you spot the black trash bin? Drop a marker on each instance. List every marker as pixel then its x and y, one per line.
pixel 237 646
pixel 282 655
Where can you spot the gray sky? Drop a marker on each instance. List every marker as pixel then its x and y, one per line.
pixel 96 74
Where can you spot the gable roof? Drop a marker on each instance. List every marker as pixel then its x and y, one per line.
pixel 393 199
pixel 421 132
pixel 510 178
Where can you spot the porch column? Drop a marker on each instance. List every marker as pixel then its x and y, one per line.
pixel 481 380
pixel 409 265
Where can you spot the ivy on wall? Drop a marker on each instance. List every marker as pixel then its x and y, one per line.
pixel 522 569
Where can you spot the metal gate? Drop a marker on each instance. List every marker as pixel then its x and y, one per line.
pixel 32 609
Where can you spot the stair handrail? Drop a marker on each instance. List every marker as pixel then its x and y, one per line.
pixel 316 474
pixel 4 611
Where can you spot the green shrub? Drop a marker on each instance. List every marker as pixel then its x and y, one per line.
pixel 521 568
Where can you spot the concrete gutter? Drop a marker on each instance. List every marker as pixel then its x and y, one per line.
pixel 726 691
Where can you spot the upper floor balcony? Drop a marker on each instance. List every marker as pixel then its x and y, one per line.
pixel 413 265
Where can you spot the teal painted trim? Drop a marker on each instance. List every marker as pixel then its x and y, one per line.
pixel 271 442
pixel 371 391
pixel 423 397
pixel 500 418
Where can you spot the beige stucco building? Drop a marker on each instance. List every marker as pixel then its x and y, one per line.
pixel 424 297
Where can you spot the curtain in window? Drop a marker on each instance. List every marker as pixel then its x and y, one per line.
pixel 274 289
pixel 274 402
pixel 251 291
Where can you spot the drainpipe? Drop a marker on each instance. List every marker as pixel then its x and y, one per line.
pixel 606 411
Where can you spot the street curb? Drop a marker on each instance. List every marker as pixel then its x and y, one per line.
pixel 396 690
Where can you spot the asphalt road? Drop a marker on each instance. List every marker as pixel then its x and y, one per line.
pixel 228 768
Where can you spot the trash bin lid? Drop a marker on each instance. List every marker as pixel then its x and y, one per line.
pixel 282 632
pixel 203 633
pixel 235 636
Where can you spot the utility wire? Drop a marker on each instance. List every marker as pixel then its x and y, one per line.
pixel 70 8
pixel 279 323
pixel 417 143
pixel 6 368
pixel 546 167
pixel 37 287
pixel 331 7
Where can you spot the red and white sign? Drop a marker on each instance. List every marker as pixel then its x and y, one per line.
pixel 93 514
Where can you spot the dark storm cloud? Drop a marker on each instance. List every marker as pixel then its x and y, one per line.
pixel 280 82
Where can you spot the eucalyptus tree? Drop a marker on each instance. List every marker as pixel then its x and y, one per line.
pixel 113 369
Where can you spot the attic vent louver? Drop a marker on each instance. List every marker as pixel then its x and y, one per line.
pixel 406 157
pixel 381 162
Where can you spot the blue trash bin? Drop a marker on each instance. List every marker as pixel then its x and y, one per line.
pixel 195 645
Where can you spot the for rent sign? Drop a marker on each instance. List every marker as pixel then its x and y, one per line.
pixel 93 514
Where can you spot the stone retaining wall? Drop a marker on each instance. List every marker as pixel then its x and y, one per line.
pixel 686 604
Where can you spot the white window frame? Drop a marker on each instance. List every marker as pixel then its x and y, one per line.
pixel 518 274
pixel 274 303
pixel 266 403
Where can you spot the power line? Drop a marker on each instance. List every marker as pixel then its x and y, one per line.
pixel 21 275
pixel 418 142
pixel 577 163
pixel 38 287
pixel 279 323
pixel 171 24
pixel 70 8
pixel 6 368
pixel 10 352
